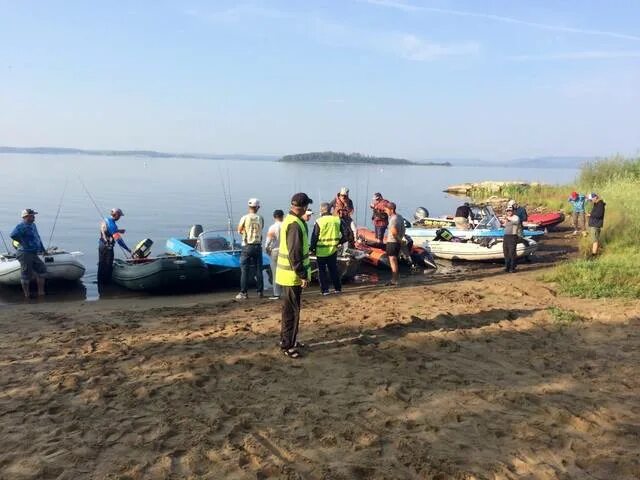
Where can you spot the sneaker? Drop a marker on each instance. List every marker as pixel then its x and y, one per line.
pixel 242 296
pixel 575 232
pixel 337 292
pixel 275 297
pixel 260 295
pixel 324 294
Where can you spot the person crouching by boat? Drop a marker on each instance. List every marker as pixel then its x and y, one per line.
pixel 510 240
pixel 462 216
pixel 110 234
pixel 342 207
pixel 328 233
pixel 394 240
pixel 596 221
pixel 294 271
pixel 380 218
pixel 29 246
pixel 250 227
pixel 272 247
pixel 577 202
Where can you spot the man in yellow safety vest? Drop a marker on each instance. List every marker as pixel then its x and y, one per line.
pixel 293 272
pixel 328 233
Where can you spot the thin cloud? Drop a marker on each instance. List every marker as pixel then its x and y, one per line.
pixel 586 55
pixel 404 45
pixel 498 18
pixel 238 13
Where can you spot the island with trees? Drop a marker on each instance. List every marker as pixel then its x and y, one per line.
pixel 337 157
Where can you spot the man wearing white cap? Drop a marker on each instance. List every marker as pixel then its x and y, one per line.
pixel 110 234
pixel 250 227
pixel 342 206
pixel 29 246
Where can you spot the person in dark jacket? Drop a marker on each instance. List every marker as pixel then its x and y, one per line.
pixel 510 240
pixel 596 221
pixel 293 272
pixel 462 216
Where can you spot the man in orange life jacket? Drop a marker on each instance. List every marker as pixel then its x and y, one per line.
pixel 109 235
pixel 342 206
pixel 379 217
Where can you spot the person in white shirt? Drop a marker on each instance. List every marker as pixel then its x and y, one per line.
pixel 250 227
pixel 272 247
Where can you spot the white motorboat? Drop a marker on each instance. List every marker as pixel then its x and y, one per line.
pixel 474 251
pixel 61 265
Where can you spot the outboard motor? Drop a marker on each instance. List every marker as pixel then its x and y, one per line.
pixel 420 213
pixel 195 231
pixel 142 249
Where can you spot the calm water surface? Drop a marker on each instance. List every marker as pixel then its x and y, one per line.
pixel 162 198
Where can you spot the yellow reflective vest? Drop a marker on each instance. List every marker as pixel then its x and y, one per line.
pixel 285 274
pixel 329 235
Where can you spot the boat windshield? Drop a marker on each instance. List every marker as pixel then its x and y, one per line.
pixel 218 241
pixel 489 219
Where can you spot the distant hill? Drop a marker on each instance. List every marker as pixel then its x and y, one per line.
pixel 552 162
pixel 129 153
pixel 337 157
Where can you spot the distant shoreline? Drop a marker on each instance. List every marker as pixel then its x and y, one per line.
pixel 338 158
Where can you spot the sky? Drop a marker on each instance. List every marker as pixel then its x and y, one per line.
pixel 419 79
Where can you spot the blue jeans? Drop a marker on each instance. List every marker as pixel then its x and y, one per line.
pixel 251 256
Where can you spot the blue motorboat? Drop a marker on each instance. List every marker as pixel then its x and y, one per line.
pixel 219 250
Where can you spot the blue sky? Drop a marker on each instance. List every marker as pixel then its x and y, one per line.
pixel 415 78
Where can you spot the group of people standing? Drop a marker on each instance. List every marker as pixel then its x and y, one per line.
pixel 578 202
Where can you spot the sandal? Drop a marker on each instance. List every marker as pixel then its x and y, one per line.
pixel 292 353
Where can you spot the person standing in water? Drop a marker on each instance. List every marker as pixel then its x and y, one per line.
pixel 110 234
pixel 29 246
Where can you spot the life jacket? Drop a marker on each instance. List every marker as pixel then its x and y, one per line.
pixel 341 208
pixel 329 236
pixel 285 274
pixel 105 234
pixel 379 215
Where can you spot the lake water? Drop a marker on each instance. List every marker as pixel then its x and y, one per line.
pixel 162 198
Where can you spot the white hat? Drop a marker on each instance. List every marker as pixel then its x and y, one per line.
pixel 254 202
pixel 28 211
pixel 511 203
pixel 308 212
pixel 344 191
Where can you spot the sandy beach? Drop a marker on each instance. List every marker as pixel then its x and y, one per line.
pixel 453 378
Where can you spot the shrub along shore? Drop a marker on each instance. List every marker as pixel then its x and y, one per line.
pixel 616 271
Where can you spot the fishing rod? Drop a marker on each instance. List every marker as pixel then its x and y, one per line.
pixel 227 201
pixel 366 196
pixel 55 221
pixel 3 241
pixel 98 209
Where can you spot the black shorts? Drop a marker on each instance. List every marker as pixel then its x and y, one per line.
pixel 393 249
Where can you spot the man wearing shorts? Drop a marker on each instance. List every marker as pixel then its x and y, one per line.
pixel 394 240
pixel 29 246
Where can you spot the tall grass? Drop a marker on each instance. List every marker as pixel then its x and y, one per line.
pixel 616 273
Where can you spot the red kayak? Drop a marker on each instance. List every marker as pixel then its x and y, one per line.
pixel 377 255
pixel 546 220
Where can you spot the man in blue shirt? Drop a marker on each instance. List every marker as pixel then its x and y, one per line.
pixel 577 202
pixel 110 234
pixel 29 246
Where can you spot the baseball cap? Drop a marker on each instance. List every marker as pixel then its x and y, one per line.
pixel 574 195
pixel 309 212
pixel 254 202
pixel 511 203
pixel 117 211
pixel 28 211
pixel 592 196
pixel 300 199
pixel 278 213
pixel 344 191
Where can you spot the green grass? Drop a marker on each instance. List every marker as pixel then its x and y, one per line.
pixel 564 317
pixel 616 272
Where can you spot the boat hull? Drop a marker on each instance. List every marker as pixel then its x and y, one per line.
pixel 470 251
pixel 160 274
pixel 546 220
pixel 348 266
pixel 61 266
pixel 377 256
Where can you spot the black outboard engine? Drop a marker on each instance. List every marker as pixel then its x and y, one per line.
pixel 443 234
pixel 420 213
pixel 142 249
pixel 195 231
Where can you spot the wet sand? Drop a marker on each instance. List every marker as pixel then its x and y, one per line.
pixel 452 378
